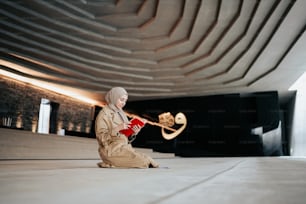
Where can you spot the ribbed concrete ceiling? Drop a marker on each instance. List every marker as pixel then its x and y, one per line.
pixel 156 48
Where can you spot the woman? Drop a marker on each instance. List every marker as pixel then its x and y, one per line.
pixel 114 148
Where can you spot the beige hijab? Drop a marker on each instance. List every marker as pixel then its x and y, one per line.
pixel 112 97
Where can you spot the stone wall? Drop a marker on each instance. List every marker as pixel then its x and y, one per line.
pixel 20 103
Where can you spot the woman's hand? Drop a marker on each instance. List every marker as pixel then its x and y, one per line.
pixel 122 126
pixel 136 129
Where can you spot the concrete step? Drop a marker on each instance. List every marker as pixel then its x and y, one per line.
pixel 20 144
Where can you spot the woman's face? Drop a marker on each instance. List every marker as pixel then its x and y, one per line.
pixel 121 101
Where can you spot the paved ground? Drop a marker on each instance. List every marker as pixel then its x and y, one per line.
pixel 51 169
pixel 265 180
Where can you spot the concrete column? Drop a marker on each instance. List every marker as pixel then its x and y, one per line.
pixel 298 134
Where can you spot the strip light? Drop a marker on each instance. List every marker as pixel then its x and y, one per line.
pixel 50 86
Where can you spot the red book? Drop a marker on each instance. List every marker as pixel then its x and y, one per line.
pixel 135 121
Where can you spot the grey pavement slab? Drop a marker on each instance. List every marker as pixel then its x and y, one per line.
pixel 265 180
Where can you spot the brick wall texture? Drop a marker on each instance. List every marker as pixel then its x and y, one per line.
pixel 20 102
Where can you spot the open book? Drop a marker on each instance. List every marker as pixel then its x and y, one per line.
pixel 135 121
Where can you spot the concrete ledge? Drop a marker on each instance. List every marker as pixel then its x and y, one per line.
pixel 20 144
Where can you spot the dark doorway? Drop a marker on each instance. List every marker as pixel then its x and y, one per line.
pixel 53 117
pixel 93 124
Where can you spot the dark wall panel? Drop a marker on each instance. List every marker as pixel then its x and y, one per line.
pixel 218 125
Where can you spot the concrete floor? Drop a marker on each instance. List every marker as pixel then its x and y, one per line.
pixel 264 180
pixel 49 169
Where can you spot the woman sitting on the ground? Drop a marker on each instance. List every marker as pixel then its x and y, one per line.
pixel 114 148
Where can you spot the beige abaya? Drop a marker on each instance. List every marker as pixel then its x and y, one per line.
pixel 114 148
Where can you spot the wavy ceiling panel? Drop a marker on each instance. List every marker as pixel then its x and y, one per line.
pixel 153 48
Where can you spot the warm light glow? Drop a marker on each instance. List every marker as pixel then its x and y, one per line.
pixel 87 129
pixel 34 125
pixel 59 125
pixel 19 122
pixel 299 84
pixel 70 126
pixel 49 86
pixel 78 127
pixel 88 126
